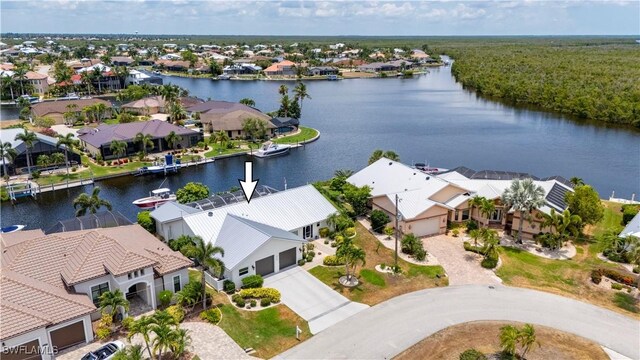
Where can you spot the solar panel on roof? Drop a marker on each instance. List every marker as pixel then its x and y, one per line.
pixel 556 196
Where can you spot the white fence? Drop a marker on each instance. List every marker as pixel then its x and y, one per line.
pixel 213 282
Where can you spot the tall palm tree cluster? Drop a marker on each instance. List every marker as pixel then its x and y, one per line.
pixel 16 84
pixel 523 196
pixel 161 334
pixel 171 95
pixel 95 112
pixel 292 107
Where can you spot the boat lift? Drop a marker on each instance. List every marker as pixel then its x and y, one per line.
pixel 22 190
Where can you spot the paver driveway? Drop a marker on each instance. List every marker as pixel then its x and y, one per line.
pixel 314 301
pixel 462 267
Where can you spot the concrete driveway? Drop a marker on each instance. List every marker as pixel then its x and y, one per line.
pixel 311 299
pixel 387 329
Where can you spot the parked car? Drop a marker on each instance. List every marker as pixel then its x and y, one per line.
pixel 106 352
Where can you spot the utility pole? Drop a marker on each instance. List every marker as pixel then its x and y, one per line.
pixel 397 229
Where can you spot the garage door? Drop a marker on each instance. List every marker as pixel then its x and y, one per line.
pixel 287 258
pixel 68 335
pixel 264 266
pixel 425 227
pixel 26 351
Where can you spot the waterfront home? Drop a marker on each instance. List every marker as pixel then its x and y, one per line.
pixel 56 109
pixel 136 77
pixel 261 238
pixel 122 60
pixel 229 117
pixel 427 201
pixel 241 69
pixel 44 145
pixel 108 81
pixel 282 68
pixel 322 71
pixel 38 81
pixel 156 104
pixel 172 65
pixel 51 284
pixel 378 67
pixel 98 141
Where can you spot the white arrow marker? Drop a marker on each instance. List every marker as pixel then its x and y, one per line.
pixel 248 185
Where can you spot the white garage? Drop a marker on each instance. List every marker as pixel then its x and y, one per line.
pixel 425 227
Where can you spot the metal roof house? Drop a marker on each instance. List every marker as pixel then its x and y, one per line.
pixel 632 228
pixel 271 226
pixel 426 202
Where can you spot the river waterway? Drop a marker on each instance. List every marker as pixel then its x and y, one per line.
pixel 429 118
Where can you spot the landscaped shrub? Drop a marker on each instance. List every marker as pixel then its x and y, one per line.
pixel 596 276
pixel 260 293
pixel 165 297
pixel 489 262
pixel 636 270
pixel 629 212
pixel 332 260
pixel 240 303
pixel 176 312
pixel 310 246
pixel 146 221
pixel 324 232
pixel 472 354
pixel 616 286
pixel 265 302
pixel 211 315
pixel 301 262
pixel 350 232
pixel 334 244
pixel 619 277
pixel 471 225
pixel 378 220
pixel 455 232
pixel 127 322
pixel 236 297
pixel 229 286
pixel 475 249
pixel 420 254
pixel 253 303
pixel 104 330
pixel 326 241
pixel 252 281
pixel 412 245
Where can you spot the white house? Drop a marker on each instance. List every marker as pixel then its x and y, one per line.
pixel 51 284
pixel 426 202
pixel 632 228
pixel 298 213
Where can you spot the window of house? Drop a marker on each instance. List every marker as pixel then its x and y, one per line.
pixel 496 215
pixel 141 272
pixel 465 215
pixel 244 271
pixel 176 283
pixel 129 276
pixel 456 216
pixel 98 290
pixel 306 233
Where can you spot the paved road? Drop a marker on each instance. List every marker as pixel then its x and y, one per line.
pixel 387 329
pixel 310 298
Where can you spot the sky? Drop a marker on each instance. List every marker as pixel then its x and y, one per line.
pixel 438 17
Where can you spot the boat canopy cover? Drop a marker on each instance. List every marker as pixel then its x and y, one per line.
pixel 102 219
pixel 160 191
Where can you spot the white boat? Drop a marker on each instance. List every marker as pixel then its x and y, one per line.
pixel 270 149
pixel 224 77
pixel 168 166
pixel 156 198
pixel 425 168
pixel 11 229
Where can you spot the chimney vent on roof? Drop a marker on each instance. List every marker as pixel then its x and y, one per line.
pixel 210 213
pixel 428 177
pixel 390 163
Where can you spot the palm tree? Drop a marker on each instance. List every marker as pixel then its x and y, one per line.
pixel 300 93
pixel 20 73
pixel 576 181
pixel 205 254
pixel 9 82
pixel 100 110
pixel 474 202
pixel 176 112
pixel 332 220
pixel 248 102
pixel 487 207
pixel 92 204
pixel 28 138
pixel 162 328
pixel 146 140
pixel 343 173
pixel 112 300
pixel 131 352
pixel 491 240
pixel 170 94
pixel 87 79
pixel 527 339
pixel 7 152
pixel 563 224
pixel 72 110
pixel 69 143
pixel 509 335
pixel 352 256
pixel 142 326
pixel 475 234
pixel 220 137
pixel 44 161
pixel 283 89
pixel 523 196
pixel 57 158
pixel 118 148
pixel 379 154
pixel 180 339
pixel 96 75
pixel 173 139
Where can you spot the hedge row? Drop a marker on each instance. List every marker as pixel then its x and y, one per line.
pixel 597 274
pixel 261 293
pixel 332 260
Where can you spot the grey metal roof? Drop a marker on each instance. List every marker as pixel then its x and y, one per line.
pixel 228 198
pixel 632 228
pixel 241 237
pixel 559 179
pixel 172 211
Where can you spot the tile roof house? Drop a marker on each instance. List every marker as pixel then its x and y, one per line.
pixel 282 68
pixel 156 104
pixel 427 201
pixel 229 116
pixel 98 140
pixel 52 304
pixel 261 238
pixel 56 109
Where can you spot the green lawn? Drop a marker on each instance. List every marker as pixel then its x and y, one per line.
pixel 375 286
pixel 566 277
pixel 95 171
pixel 217 150
pixel 269 332
pixel 305 134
